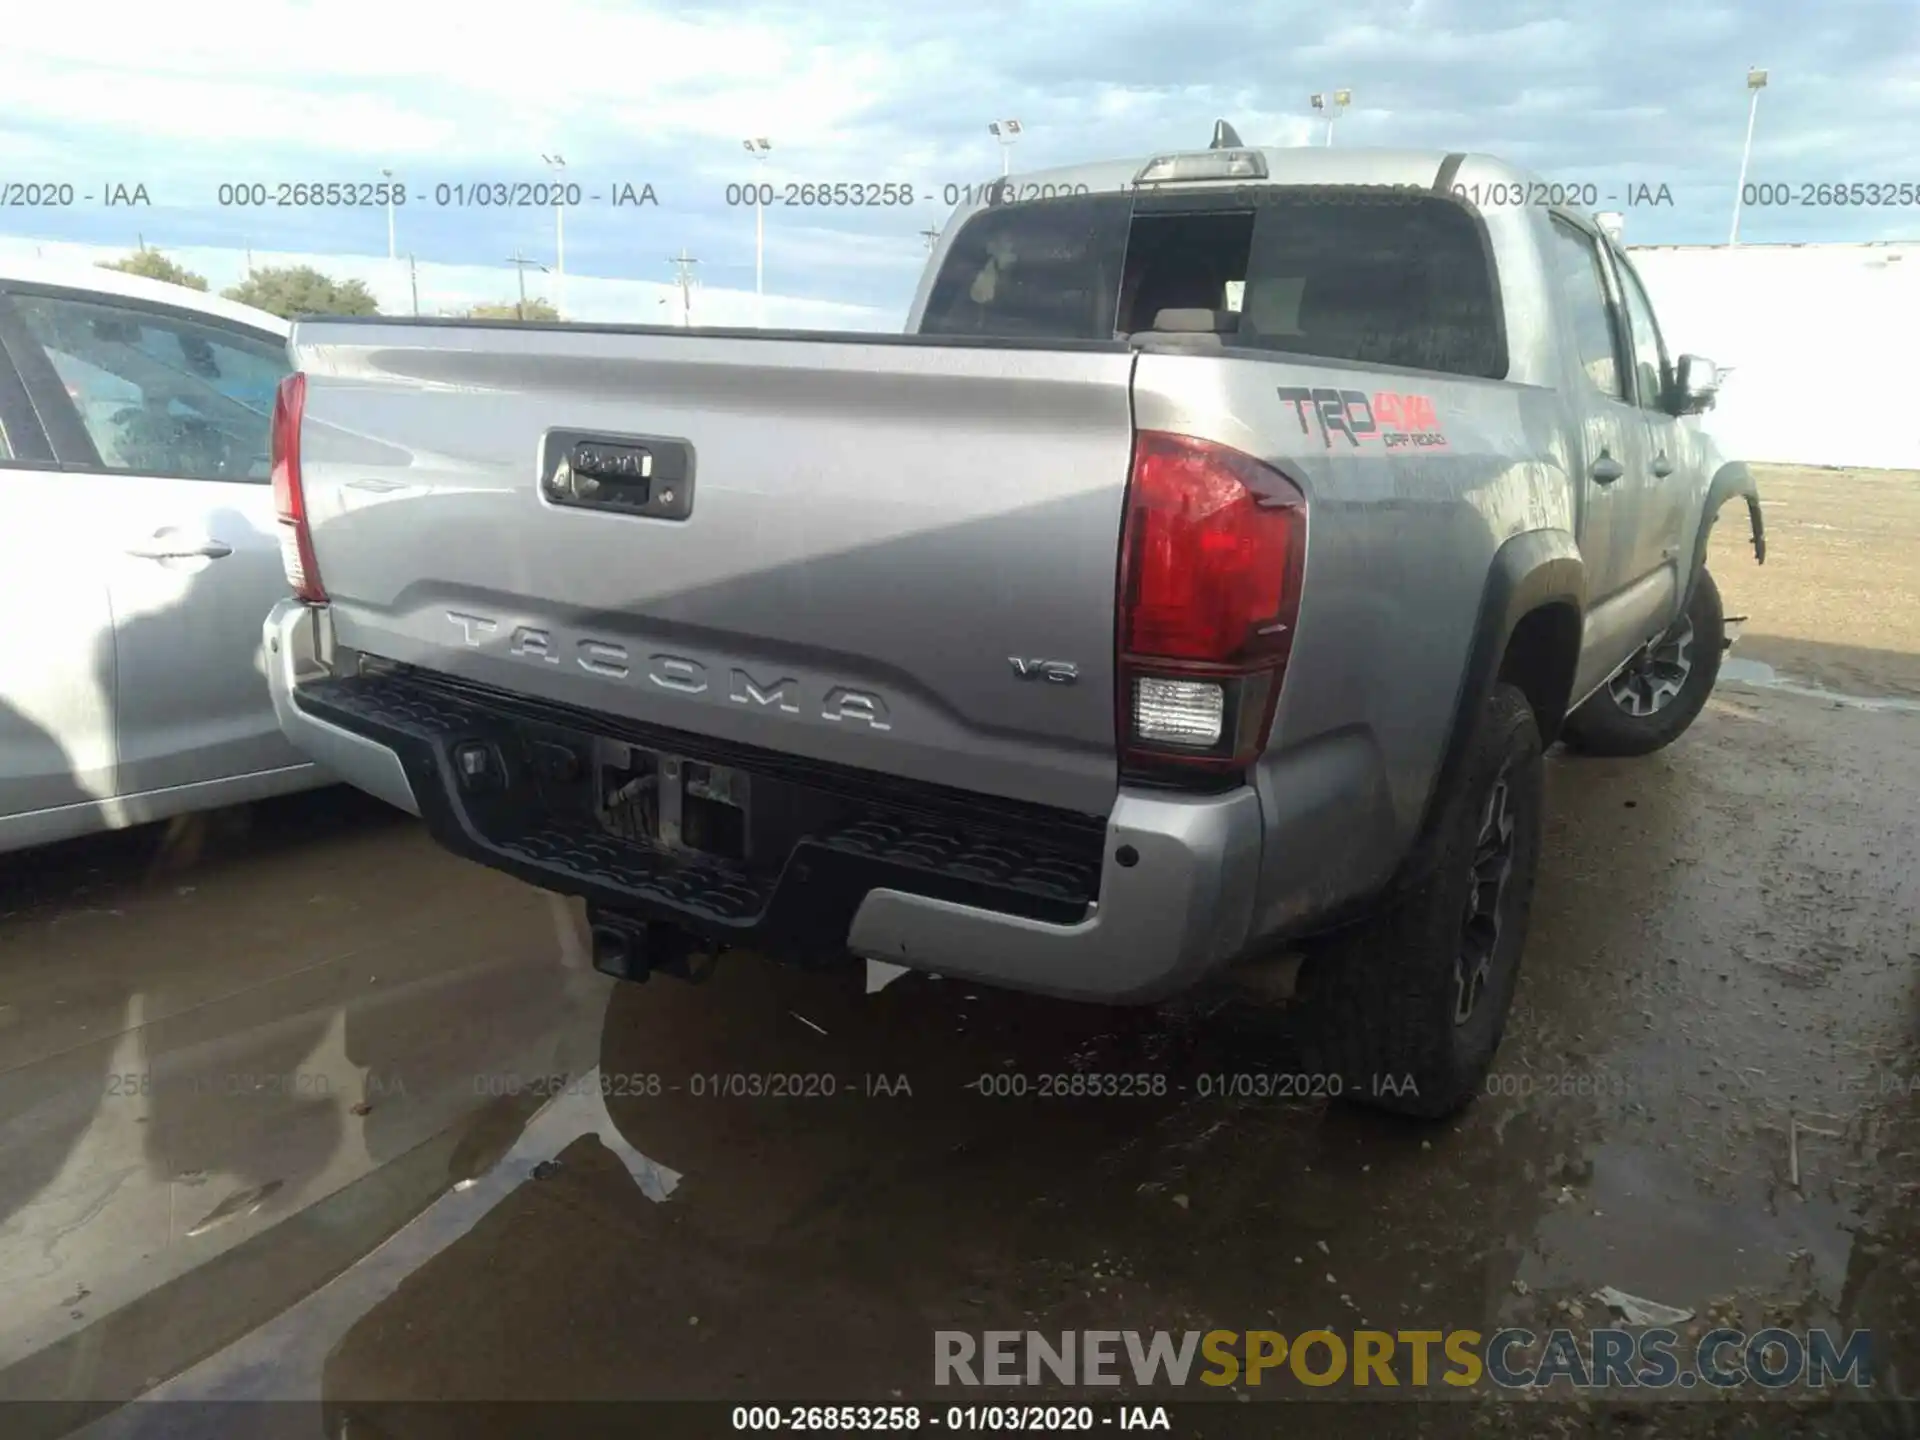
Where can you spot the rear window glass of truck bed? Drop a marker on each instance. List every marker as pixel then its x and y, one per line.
pixel 1395 278
pixel 1047 270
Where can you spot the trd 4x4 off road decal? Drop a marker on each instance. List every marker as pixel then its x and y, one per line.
pixel 1391 420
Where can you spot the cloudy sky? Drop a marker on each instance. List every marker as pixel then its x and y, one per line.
pixel 182 98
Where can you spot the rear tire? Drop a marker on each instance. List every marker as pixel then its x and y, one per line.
pixel 1650 704
pixel 1404 1011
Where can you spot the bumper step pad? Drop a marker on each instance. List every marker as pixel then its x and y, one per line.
pixel 809 904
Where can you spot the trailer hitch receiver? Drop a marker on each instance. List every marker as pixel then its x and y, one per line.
pixel 630 948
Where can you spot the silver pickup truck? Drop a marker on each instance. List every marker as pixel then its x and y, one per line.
pixel 1197 582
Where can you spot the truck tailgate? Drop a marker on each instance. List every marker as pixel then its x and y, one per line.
pixel 882 540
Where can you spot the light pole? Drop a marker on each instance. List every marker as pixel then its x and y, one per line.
pixel 392 253
pixel 1007 132
pixel 1330 104
pixel 761 149
pixel 1756 82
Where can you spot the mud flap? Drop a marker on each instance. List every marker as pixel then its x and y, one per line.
pixel 1759 528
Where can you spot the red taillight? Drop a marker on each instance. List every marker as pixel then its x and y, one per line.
pixel 289 498
pixel 1211 564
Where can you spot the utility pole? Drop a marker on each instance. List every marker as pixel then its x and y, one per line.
pixel 413 279
pixel 684 263
pixel 932 236
pixel 520 263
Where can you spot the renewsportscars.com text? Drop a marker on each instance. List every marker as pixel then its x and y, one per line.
pixel 1599 1359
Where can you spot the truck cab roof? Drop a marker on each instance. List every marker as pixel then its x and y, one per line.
pixel 1287 165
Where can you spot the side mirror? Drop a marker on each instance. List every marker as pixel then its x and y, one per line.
pixel 1696 384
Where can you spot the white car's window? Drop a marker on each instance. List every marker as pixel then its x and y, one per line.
pixel 99 395
pixel 162 394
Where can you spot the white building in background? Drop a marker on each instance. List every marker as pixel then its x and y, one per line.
pixel 1819 339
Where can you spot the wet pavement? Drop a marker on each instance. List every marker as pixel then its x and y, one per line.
pixel 257 1138
pixel 295 1107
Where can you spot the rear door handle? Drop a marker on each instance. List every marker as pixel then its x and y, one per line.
pixel 164 549
pixel 1662 467
pixel 1606 470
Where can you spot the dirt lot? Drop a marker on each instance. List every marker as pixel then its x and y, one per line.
pixel 255 1140
pixel 1838 602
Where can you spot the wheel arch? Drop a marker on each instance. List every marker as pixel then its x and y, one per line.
pixel 1731 479
pixel 1528 634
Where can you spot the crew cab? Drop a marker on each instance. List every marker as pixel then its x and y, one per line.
pixel 1199 579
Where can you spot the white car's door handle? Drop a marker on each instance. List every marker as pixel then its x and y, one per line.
pixel 180 549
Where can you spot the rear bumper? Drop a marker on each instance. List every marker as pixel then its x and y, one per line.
pixel 298 648
pixel 1178 913
pixel 1146 907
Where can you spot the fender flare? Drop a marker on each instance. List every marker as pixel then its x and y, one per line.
pixel 1731 479
pixel 1532 569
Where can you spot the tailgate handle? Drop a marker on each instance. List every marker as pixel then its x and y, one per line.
pixel 622 464
pixel 643 475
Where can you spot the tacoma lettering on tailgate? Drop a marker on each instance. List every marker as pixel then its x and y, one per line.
pixel 682 674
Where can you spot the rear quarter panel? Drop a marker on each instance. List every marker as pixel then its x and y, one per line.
pixel 1399 548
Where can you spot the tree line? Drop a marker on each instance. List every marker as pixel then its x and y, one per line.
pixel 291 291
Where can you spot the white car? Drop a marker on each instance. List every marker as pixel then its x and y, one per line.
pixel 139 553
